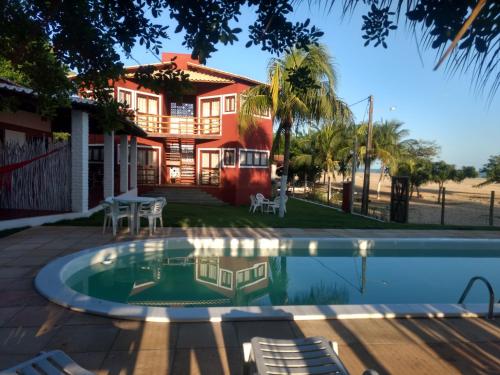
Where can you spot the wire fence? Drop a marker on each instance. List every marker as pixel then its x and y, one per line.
pixel 469 207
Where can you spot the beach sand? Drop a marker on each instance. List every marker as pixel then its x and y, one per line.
pixel 466 204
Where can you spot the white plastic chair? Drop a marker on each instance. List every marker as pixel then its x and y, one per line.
pixel 153 212
pixel 275 204
pixel 55 362
pixel 114 213
pixel 253 203
pixel 259 202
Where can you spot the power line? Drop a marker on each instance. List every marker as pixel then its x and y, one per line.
pixel 362 100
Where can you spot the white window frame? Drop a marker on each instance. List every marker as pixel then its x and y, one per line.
pixel 134 98
pixel 220 279
pixel 221 107
pixel 255 266
pixel 235 157
pixel 252 150
pixel 198 161
pixel 235 96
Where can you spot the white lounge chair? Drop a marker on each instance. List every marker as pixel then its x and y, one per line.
pixel 312 355
pixel 153 212
pixel 114 213
pixel 55 362
pixel 260 201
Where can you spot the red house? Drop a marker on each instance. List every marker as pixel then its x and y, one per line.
pixel 196 141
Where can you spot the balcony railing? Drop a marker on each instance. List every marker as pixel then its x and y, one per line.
pixel 179 125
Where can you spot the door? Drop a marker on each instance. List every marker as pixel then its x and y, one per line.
pixel 209 167
pixel 147 113
pixel 147 166
pixel 210 116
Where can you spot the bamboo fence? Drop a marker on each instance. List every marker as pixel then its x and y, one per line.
pixel 44 184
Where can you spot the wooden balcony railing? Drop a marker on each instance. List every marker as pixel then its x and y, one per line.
pixel 179 125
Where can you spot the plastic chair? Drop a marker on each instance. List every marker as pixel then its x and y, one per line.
pixel 153 212
pixel 55 362
pixel 114 213
pixel 311 355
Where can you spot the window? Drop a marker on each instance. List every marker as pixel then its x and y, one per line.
pixel 230 104
pixel 229 158
pixel 226 279
pixel 254 158
pixel 182 109
pixel 96 154
pixel 264 113
pixel 125 97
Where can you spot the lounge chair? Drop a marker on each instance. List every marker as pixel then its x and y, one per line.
pixel 55 362
pixel 260 201
pixel 312 355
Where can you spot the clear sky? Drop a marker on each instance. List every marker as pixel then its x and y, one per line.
pixel 432 105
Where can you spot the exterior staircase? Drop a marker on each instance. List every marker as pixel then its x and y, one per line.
pixel 185 195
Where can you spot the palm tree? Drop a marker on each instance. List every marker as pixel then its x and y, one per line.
pixel 300 88
pixel 387 145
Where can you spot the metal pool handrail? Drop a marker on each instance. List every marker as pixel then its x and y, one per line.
pixel 490 290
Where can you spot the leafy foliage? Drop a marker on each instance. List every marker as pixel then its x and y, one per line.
pixel 42 40
pixel 436 23
pixel 492 170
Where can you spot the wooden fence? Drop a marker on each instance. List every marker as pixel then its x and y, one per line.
pixel 44 184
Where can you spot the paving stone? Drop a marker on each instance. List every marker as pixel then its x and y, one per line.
pixel 91 361
pixel 145 336
pixel 6 313
pixel 144 362
pixel 77 318
pixel 84 338
pixel 271 329
pixel 213 361
pixel 11 272
pixel 9 298
pixel 50 315
pixel 206 335
pixel 22 340
pixel 11 360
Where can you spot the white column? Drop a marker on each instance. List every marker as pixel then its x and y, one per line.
pixel 133 163
pixel 109 164
pixel 123 163
pixel 79 161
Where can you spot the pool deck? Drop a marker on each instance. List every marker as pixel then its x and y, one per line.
pixel 30 324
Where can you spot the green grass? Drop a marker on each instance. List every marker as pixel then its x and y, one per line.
pixel 300 215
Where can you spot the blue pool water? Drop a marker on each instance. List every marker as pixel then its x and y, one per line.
pixel 384 276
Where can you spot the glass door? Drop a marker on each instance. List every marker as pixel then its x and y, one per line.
pixel 210 116
pixel 210 167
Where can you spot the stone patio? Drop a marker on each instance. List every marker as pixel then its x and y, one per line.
pixel 30 324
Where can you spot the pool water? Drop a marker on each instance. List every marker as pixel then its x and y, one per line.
pixel 155 279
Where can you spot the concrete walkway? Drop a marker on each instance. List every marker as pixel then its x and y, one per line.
pixel 30 324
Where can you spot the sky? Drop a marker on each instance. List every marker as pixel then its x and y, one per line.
pixel 432 105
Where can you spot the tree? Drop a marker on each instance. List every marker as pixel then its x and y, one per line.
pixel 293 101
pixel 470 26
pixel 469 172
pixel 41 40
pixel 492 170
pixel 387 145
pixel 415 161
pixel 442 172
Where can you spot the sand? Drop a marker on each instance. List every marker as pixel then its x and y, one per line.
pixel 466 204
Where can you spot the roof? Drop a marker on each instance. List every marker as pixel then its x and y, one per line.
pixel 76 102
pixel 195 76
pixel 223 72
pixel 207 74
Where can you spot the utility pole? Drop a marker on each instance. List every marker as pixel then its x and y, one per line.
pixel 366 179
pixel 353 169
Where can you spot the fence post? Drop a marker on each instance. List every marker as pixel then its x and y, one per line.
pixel 329 194
pixel 443 199
pixel 492 205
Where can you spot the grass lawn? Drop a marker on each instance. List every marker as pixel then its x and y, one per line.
pixel 8 232
pixel 300 215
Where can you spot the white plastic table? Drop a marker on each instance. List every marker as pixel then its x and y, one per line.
pixel 134 203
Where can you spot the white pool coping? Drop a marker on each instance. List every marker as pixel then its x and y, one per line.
pixel 50 281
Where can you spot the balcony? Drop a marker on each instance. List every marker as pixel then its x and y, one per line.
pixel 179 126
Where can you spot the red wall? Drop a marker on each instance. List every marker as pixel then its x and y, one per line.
pixel 236 183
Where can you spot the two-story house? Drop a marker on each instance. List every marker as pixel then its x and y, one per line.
pixel 196 141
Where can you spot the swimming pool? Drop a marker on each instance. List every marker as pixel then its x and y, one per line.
pixel 174 279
